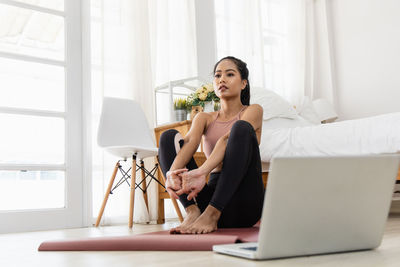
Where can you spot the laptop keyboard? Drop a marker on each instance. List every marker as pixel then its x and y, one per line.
pixel 250 248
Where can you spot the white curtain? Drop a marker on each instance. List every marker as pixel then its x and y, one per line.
pixel 174 33
pixel 324 59
pixel 135 45
pixel 280 41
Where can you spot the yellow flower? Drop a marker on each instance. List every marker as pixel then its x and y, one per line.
pixel 209 87
pixel 199 90
pixel 203 96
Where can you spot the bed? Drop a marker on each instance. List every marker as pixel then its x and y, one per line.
pixel 290 132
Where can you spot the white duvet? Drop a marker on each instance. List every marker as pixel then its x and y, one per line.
pixel 373 135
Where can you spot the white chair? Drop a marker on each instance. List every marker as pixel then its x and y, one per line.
pixel 124 132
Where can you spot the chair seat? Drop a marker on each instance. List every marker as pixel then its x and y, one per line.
pixel 127 151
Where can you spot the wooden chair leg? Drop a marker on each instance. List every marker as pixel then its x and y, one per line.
pixel 144 185
pixel 110 184
pixel 161 215
pixel 132 197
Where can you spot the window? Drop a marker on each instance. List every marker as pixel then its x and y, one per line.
pixel 40 77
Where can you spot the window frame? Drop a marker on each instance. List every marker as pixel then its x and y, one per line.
pixel 76 37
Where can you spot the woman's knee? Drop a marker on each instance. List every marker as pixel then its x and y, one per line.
pixel 242 128
pixel 170 139
pixel 167 151
pixel 168 136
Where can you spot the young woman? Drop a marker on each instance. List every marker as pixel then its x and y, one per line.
pixel 233 196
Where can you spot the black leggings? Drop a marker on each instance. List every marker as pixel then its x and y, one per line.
pixel 237 191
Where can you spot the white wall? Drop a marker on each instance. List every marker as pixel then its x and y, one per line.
pixel 366 49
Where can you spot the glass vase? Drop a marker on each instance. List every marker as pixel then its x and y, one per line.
pixel 209 106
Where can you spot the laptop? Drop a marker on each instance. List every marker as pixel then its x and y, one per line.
pixel 318 205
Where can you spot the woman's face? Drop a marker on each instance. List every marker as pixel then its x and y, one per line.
pixel 227 80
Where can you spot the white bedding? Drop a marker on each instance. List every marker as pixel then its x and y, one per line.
pixel 373 135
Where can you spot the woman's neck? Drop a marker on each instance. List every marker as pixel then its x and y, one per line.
pixel 230 108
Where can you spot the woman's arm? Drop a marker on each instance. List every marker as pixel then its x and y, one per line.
pixel 191 141
pixel 194 180
pixel 253 114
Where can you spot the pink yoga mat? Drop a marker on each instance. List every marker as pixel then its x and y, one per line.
pixel 156 241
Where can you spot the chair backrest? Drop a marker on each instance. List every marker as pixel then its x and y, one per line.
pixel 123 123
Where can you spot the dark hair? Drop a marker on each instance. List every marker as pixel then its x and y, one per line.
pixel 244 74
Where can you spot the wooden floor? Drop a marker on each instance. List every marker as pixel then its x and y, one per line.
pixel 21 250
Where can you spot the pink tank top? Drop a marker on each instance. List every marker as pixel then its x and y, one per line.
pixel 215 130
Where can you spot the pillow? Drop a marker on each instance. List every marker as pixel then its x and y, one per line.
pixel 273 104
pixel 278 123
pixel 307 111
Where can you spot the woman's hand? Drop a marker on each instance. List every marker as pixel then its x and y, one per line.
pixel 192 183
pixel 174 182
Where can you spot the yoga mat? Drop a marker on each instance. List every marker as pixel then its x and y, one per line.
pixel 155 241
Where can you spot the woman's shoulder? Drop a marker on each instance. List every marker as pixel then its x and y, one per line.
pixel 254 108
pixel 205 117
pixel 254 111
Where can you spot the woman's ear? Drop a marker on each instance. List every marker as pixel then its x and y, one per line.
pixel 244 84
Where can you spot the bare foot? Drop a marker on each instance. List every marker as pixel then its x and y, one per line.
pixel 205 223
pixel 192 213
